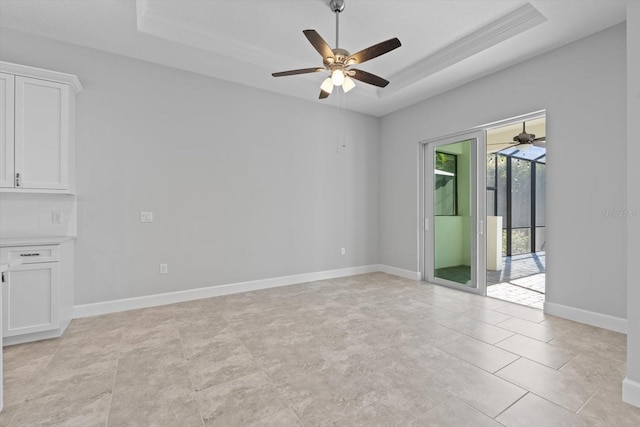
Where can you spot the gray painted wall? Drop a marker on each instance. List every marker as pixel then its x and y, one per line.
pixel 582 87
pixel 633 195
pixel 243 184
pixel 236 196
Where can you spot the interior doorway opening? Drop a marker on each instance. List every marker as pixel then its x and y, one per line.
pixel 516 214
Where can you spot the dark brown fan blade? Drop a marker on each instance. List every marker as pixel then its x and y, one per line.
pixel 372 79
pixel 541 139
pixel 318 43
pixel 375 50
pixel 294 72
pixel 323 94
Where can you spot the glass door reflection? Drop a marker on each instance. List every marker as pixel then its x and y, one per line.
pixel 453 213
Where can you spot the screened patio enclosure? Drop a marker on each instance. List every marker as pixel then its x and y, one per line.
pixel 516 193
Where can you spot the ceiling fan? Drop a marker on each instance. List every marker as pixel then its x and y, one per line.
pixel 523 141
pixel 339 61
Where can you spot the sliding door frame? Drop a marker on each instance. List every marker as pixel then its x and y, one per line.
pixel 426 241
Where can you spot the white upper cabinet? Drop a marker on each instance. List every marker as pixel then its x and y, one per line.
pixel 37 119
pixel 7 176
pixel 41 134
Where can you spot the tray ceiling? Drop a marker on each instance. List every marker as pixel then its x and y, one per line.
pixel 444 43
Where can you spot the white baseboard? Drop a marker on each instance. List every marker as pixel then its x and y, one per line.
pixel 407 274
pixel 86 310
pixel 631 392
pixel 612 323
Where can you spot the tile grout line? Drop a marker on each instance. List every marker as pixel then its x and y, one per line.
pixel 21 404
pixel 480 367
pixel 511 382
pixel 113 384
pixel 471 336
pixel 588 400
pixel 598 388
pixel 261 369
pixel 507 365
pixel 568 361
pixel 186 362
pixel 504 339
pixel 516 401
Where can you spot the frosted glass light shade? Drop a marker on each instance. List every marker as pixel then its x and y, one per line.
pixel 337 76
pixel 348 84
pixel 327 85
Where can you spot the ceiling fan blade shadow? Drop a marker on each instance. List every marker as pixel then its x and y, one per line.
pixel 369 78
pixel 318 43
pixel 294 72
pixel 323 94
pixel 376 50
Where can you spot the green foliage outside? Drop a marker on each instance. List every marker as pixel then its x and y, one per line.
pixel 520 196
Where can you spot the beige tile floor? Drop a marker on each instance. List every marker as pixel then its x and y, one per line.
pixel 370 350
pixel 529 290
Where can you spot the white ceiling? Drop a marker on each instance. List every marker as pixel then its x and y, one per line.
pixel 445 43
pixel 502 137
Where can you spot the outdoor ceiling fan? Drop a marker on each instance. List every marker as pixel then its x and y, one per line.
pixel 339 61
pixel 522 141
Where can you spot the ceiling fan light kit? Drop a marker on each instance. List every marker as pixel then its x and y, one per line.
pixel 338 61
pixel 348 84
pixel 327 85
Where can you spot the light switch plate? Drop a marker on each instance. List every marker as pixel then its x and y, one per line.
pixel 164 268
pixel 146 216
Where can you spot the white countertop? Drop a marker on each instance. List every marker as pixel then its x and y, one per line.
pixel 34 241
pixel 8 266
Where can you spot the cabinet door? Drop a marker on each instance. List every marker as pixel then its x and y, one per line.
pixel 30 299
pixel 41 133
pixel 7 177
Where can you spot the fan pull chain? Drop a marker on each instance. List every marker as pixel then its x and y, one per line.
pixel 340 120
pixel 337 123
pixel 344 110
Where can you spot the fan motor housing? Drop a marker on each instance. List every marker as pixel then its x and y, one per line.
pixel 336 5
pixel 340 56
pixel 524 138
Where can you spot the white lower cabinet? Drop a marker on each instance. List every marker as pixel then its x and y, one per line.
pixel 37 294
pixel 30 294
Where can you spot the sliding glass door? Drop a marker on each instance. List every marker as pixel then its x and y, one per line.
pixel 454 212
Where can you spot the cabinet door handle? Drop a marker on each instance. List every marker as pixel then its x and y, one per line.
pixel 32 254
pixel 18 181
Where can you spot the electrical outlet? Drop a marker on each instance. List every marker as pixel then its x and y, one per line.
pixel 146 216
pixel 344 251
pixel 57 217
pixel 164 268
